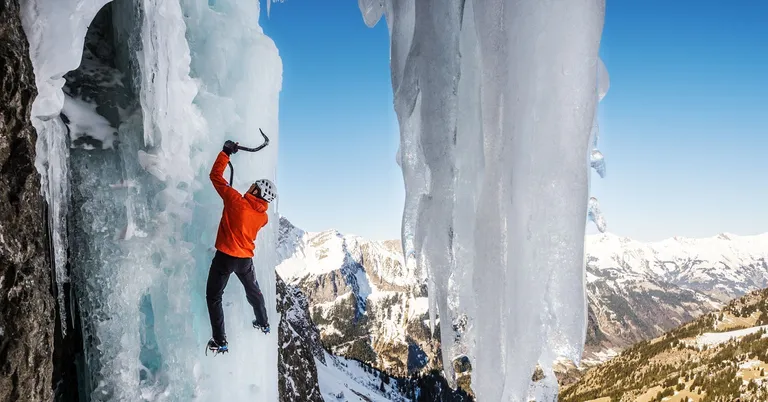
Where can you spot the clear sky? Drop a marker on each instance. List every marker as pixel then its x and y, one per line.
pixel 684 127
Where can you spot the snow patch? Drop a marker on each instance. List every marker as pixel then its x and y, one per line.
pixel 601 357
pixel 86 126
pixel 717 338
pixel 365 287
pixel 750 364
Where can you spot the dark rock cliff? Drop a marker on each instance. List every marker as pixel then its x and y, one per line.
pixel 26 302
pixel 299 345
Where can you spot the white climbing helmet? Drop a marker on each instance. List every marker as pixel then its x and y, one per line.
pixel 267 190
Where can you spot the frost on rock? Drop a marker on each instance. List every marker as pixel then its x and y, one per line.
pixel 496 103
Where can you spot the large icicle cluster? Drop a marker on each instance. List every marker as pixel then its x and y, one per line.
pixel 142 214
pixel 496 102
pixel 55 47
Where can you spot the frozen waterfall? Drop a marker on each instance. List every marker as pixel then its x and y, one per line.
pixel 496 102
pixel 135 99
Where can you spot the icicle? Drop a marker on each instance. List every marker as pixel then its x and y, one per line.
pixel 483 89
pixel 597 162
pixel 372 11
pixel 595 215
pixel 603 80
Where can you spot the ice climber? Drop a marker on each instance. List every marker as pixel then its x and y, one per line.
pixel 241 220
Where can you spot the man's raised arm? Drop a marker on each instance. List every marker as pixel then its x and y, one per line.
pixel 227 192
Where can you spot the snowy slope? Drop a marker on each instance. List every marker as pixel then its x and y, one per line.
pixel 341 379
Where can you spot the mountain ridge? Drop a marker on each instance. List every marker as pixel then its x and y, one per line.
pixel 369 305
pixel 720 356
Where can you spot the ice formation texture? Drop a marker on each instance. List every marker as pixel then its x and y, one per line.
pixel 55 47
pixel 496 102
pixel 135 100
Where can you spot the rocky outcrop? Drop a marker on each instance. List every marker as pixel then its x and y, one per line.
pixel 299 347
pixel 26 301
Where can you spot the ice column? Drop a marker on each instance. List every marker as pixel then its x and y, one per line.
pixel 55 47
pixel 496 102
pixel 596 158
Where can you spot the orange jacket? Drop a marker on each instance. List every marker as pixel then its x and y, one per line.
pixel 242 217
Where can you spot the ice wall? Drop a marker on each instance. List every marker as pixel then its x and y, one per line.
pixel 143 214
pixel 496 102
pixel 239 75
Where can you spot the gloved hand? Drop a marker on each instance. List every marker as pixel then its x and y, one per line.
pixel 230 147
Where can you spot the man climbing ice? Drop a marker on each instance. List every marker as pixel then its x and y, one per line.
pixel 241 220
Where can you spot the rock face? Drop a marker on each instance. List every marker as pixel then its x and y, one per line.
pixel 26 303
pixel 299 347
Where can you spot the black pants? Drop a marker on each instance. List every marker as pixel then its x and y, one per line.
pixel 222 266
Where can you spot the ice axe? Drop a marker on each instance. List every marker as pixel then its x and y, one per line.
pixel 246 149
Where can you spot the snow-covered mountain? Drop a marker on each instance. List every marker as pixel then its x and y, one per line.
pixel 724 267
pixel 365 302
pixel 368 305
pixel 639 290
pixel 309 373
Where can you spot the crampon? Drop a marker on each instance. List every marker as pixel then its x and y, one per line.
pixel 216 348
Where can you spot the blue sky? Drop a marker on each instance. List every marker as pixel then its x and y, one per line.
pixel 684 127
